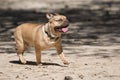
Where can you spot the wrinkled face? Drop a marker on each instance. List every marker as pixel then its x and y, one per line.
pixel 59 22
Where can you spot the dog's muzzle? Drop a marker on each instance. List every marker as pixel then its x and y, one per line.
pixel 64 27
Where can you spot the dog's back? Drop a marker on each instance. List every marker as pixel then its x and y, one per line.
pixel 25 33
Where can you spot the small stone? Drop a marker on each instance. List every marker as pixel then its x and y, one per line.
pixel 68 78
pixel 17 76
pixel 53 79
pixel 81 76
pixel 1 72
pixel 86 64
pixel 26 77
pixel 28 68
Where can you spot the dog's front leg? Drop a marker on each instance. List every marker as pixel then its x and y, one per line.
pixel 38 55
pixel 61 54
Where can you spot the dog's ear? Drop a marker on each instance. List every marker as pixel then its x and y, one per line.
pixel 56 14
pixel 49 15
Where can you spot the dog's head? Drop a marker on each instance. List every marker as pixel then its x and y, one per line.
pixel 58 22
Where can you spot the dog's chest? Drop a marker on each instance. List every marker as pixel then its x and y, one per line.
pixel 46 46
pixel 47 43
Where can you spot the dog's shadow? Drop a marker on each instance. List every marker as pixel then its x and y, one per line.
pixel 34 63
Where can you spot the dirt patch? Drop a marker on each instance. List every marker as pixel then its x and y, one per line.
pixel 86 63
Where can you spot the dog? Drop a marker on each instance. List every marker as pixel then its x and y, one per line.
pixel 41 36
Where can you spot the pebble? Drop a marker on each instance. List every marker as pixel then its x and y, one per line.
pixel 81 76
pixel 68 78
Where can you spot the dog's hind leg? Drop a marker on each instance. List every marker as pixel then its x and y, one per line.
pixel 20 51
pixel 38 54
pixel 20 47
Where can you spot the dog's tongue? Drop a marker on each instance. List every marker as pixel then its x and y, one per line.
pixel 64 29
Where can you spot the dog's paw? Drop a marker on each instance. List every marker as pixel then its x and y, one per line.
pixel 66 63
pixel 39 63
pixel 24 62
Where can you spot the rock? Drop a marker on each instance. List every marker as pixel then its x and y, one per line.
pixel 1 72
pixel 17 76
pixel 81 76
pixel 68 78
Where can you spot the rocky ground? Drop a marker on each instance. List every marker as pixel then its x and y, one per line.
pixel 92 44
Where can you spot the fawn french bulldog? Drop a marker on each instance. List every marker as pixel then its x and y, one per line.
pixel 41 36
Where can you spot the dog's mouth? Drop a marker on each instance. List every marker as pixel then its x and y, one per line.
pixel 62 29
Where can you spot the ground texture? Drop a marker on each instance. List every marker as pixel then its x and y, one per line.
pixel 92 44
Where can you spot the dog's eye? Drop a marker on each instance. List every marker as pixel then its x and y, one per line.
pixel 59 20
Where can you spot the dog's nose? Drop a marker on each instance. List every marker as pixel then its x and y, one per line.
pixel 66 23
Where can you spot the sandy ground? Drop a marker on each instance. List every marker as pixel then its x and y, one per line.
pixel 92 45
pixel 86 63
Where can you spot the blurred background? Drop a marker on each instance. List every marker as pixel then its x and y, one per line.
pixel 92 22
